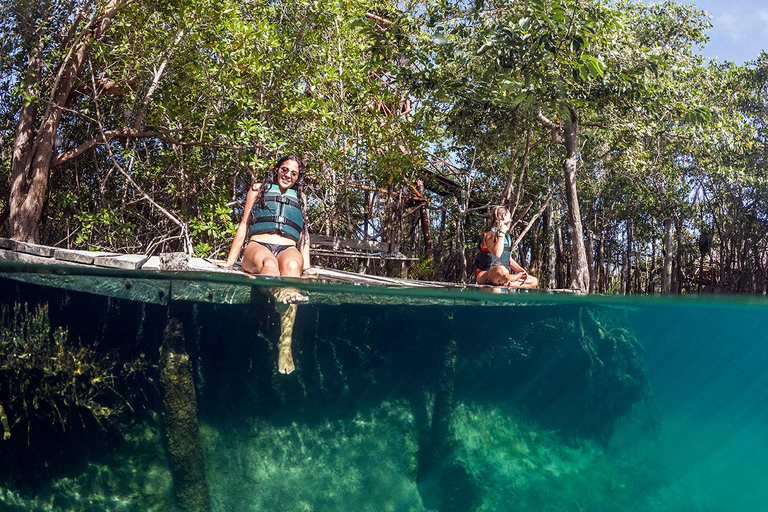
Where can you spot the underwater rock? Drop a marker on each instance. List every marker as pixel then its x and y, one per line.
pixel 181 426
pixel 574 369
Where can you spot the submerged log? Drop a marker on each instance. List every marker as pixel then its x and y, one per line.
pixel 181 427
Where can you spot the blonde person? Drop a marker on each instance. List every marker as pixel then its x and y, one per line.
pixel 494 264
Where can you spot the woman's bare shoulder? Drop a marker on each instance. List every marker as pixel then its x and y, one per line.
pixel 485 238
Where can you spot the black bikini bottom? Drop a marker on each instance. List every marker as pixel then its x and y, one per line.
pixel 274 248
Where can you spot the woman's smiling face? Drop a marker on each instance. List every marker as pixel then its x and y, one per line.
pixel 287 174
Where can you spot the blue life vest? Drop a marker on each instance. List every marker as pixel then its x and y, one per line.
pixel 281 214
pixel 486 260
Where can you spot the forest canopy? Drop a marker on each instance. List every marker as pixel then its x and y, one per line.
pixel 630 163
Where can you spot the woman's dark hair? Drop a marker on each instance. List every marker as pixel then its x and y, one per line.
pixel 271 178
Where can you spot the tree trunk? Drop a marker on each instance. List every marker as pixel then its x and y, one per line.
pixel 560 273
pixel 425 224
pixel 579 265
pixel 24 227
pixel 441 240
pixel 601 263
pixel 591 261
pixel 34 147
pixel 666 274
pixel 677 283
pixel 629 256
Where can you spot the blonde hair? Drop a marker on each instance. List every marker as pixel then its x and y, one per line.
pixel 496 214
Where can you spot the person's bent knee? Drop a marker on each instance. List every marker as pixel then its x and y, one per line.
pixel 270 267
pixel 498 275
pixel 291 265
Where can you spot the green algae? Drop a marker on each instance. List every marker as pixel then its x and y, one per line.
pixel 46 378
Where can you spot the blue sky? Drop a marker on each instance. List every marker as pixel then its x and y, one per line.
pixel 740 28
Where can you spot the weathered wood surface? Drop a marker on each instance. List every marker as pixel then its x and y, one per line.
pixel 141 290
pixel 140 278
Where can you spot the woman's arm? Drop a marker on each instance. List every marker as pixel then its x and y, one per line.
pixel 242 228
pixel 515 266
pixel 493 240
pixel 305 253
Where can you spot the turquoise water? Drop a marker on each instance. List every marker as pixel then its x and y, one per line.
pixel 401 400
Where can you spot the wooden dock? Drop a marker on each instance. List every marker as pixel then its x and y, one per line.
pixel 145 279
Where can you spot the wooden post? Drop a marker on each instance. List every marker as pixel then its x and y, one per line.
pixel 182 431
pixel 441 240
pixel 440 442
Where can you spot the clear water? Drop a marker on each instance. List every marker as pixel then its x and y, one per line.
pixel 559 402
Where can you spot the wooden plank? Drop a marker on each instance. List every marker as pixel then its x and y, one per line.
pixel 359 255
pixel 347 243
pixel 201 264
pixel 82 257
pixel 26 248
pixel 153 291
pixel 124 261
pixel 24 257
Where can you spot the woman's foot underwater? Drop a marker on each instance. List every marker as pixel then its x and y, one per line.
pixel 288 295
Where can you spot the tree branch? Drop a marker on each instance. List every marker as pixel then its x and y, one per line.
pixel 534 218
pixel 130 133
pixel 555 129
pixel 372 16
pixel 156 81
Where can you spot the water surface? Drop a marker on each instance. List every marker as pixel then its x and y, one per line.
pixel 407 399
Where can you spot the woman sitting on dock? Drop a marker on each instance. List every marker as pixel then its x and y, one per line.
pixel 494 264
pixel 274 220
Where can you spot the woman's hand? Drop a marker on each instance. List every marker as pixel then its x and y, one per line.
pixel 519 276
pixel 309 272
pixel 224 264
pixel 504 225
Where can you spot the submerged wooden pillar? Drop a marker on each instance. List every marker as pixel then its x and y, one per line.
pixel 181 427
pixel 440 443
pixel 445 483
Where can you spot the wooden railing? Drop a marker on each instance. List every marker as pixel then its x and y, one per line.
pixel 364 252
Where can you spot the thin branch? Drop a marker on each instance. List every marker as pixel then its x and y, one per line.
pixel 372 16
pixel 555 129
pixel 127 176
pixel 534 219
pixel 156 81
pixel 130 133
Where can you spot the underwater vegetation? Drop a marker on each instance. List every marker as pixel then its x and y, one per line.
pixel 46 378
pixel 390 408
pixel 60 398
